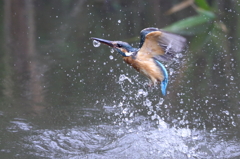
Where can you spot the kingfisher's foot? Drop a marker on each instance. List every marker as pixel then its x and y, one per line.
pixel 146 85
pixel 150 88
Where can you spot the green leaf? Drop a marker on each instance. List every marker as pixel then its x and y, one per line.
pixel 206 13
pixel 188 23
pixel 202 4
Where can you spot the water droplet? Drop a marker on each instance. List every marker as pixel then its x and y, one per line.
pixel 125 111
pixel 213 129
pixel 179 55
pixel 111 57
pixel 123 77
pixel 112 50
pixel 120 104
pixel 148 103
pixel 131 114
pixel 142 92
pixel 154 116
pixel 96 43
pixel 234 124
pixel 226 112
pixel 161 101
pixel 171 71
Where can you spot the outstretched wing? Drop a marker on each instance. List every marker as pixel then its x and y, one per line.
pixel 160 44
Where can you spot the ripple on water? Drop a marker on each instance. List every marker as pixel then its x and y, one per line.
pixel 138 140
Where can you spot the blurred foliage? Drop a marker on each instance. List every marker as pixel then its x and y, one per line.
pixel 190 25
pixel 211 63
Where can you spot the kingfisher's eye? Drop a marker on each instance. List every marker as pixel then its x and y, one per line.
pixel 119 45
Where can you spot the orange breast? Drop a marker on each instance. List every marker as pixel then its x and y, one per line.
pixel 146 66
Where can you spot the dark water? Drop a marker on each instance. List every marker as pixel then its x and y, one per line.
pixel 61 97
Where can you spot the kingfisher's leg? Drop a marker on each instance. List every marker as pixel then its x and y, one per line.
pixel 152 83
pixel 148 84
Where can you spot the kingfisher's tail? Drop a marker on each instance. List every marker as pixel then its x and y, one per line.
pixel 164 86
pixel 164 83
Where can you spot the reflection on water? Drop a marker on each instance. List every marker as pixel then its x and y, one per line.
pixel 63 98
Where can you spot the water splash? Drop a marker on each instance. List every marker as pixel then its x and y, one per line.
pixel 123 77
pixel 141 92
pixel 179 55
pixel 110 57
pixel 112 50
pixel 96 43
pixel 161 101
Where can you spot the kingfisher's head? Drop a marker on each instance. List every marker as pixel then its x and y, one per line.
pixel 121 47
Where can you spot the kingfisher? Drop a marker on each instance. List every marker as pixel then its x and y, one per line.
pixel 156 46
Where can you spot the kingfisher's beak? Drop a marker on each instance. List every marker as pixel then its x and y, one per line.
pixel 107 42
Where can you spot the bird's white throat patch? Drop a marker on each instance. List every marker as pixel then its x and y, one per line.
pixel 129 53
